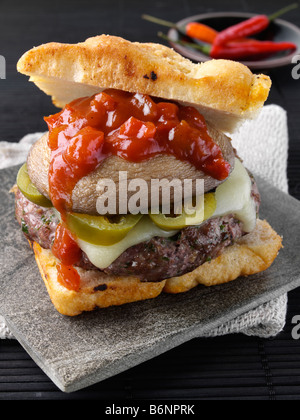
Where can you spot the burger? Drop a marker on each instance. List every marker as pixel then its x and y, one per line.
pixel 131 116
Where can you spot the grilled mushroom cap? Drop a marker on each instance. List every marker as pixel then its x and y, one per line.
pixel 86 193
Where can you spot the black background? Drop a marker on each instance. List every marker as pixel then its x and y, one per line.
pixel 230 367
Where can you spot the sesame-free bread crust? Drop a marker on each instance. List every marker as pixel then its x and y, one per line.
pixel 225 92
pixel 97 288
pixel 251 254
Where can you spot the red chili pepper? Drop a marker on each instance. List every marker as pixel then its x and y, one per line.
pixel 242 30
pixel 236 50
pixel 195 30
pixel 242 50
pixel 201 32
pixel 249 27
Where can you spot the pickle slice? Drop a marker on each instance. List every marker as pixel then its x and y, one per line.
pixel 205 210
pixel 99 230
pixel 29 190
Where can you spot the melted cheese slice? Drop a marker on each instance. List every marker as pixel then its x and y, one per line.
pixel 233 197
pixel 103 256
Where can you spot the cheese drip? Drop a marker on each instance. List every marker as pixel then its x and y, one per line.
pixel 234 197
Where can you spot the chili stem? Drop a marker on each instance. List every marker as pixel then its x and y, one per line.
pixel 283 11
pixel 164 23
pixel 159 21
pixel 203 48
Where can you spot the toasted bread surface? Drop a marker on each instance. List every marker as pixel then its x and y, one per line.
pixel 97 289
pixel 226 92
pixel 251 254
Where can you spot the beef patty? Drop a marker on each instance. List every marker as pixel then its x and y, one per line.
pixel 153 260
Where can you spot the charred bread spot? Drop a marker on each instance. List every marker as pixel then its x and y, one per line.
pixel 153 76
pixel 101 288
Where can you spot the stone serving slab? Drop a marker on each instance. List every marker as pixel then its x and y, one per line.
pixel 78 352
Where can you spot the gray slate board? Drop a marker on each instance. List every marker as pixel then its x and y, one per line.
pixel 78 352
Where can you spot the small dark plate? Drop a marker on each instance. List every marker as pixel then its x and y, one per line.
pixel 278 31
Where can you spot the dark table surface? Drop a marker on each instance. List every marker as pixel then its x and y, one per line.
pixel 230 367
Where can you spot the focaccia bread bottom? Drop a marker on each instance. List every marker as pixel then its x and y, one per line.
pixel 251 254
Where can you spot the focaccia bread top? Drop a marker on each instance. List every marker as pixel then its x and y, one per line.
pixel 225 92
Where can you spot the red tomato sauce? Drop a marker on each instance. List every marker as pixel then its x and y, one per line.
pixel 65 248
pixel 68 277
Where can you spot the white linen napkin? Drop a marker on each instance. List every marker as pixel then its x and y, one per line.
pixel 263 146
